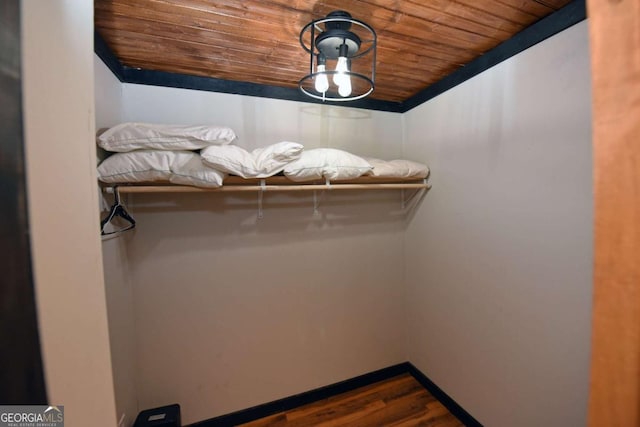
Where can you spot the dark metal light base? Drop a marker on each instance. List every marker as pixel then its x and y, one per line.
pixel 330 41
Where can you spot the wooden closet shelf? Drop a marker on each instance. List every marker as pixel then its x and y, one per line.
pixel 278 183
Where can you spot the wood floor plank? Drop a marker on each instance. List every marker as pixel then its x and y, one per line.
pixel 351 417
pixel 363 395
pixel 396 409
pixel 276 420
pixel 431 416
pixel 399 401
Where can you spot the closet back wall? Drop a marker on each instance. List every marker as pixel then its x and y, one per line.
pixel 231 310
pixel 262 121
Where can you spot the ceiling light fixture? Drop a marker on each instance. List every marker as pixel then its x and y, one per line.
pixel 340 48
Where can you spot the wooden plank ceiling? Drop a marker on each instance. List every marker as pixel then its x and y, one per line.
pixel 419 41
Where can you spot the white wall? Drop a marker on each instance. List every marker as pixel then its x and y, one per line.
pixel 58 81
pixel 120 310
pixel 262 121
pixel 118 286
pixel 232 311
pixel 108 93
pixel 498 260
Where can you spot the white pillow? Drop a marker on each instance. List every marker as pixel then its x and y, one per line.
pixel 273 158
pixel 138 136
pixel 178 167
pixel 326 162
pixel 230 159
pixel 260 163
pixel 397 169
pixel 189 170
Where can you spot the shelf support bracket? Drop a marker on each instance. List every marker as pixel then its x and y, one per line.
pixel 263 187
pixel 316 198
pixel 316 203
pixel 407 201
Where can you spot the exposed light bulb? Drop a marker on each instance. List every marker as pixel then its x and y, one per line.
pixel 322 82
pixel 344 88
pixel 341 68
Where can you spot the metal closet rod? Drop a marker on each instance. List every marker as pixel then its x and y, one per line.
pixel 263 186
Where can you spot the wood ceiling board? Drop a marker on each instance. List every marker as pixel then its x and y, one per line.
pixel 555 4
pixel 504 11
pixel 470 13
pixel 419 43
pixel 130 27
pixel 533 7
pixel 396 22
pixel 145 47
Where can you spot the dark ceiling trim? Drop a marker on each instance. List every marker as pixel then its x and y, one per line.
pixel 558 21
pixel 101 49
pixel 552 24
pixel 210 84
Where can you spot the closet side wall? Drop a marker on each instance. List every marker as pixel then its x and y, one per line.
pixel 59 129
pixel 499 257
pixel 233 311
pixel 108 92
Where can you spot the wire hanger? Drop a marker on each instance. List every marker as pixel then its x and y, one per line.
pixel 117 210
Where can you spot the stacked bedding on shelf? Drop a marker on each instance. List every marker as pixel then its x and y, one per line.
pixel 260 163
pixel 151 152
pixel 397 169
pixel 202 156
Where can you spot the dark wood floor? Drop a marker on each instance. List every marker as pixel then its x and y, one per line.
pixel 397 402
